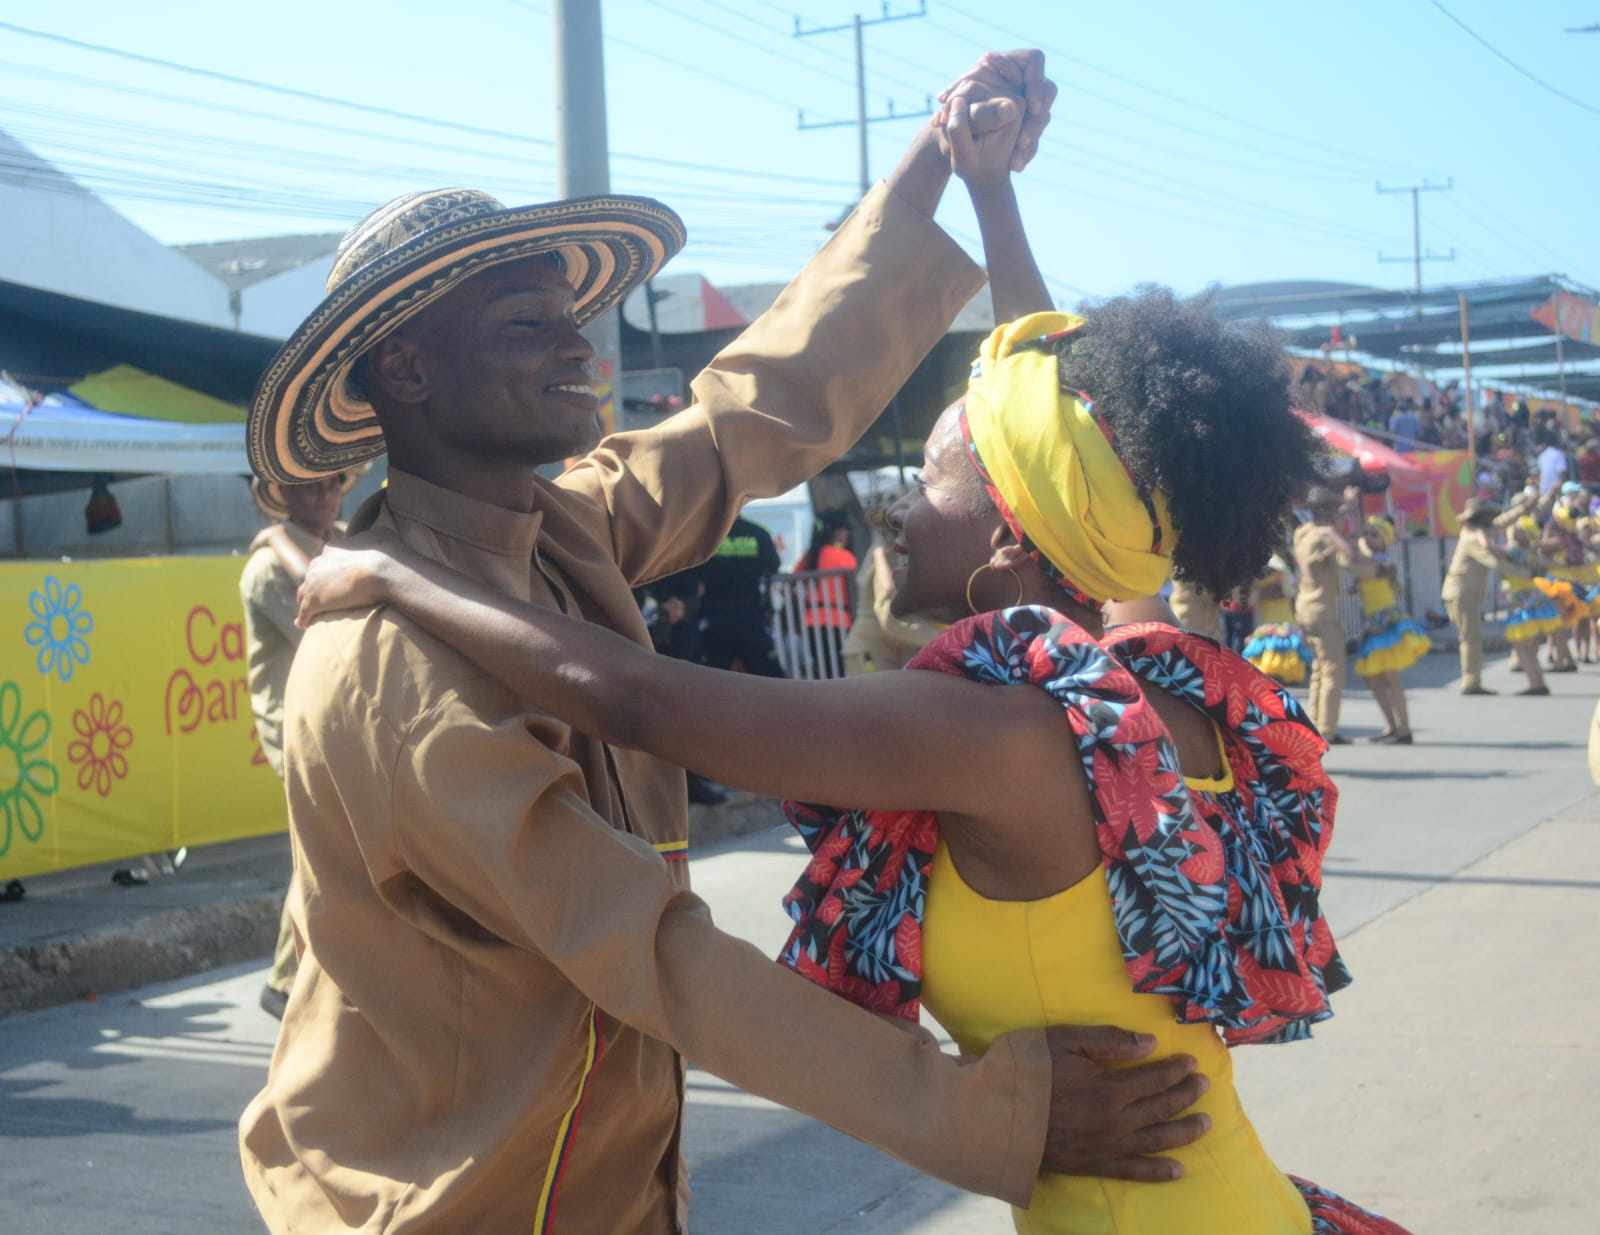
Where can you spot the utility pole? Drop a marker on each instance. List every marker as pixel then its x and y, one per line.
pixel 1417 255
pixel 862 119
pixel 583 160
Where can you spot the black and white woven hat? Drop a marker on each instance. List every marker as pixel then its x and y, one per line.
pixel 309 420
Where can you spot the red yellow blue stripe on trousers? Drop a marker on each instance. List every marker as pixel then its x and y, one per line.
pixel 673 850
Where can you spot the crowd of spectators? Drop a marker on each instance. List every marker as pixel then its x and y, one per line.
pixel 1515 443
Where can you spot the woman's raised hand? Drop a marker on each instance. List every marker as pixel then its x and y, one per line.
pixel 983 159
pixel 341 578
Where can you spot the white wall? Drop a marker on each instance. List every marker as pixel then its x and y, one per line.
pixel 161 516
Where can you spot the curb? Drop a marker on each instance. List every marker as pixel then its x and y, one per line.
pixel 154 948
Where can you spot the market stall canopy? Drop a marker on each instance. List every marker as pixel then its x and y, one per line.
pixel 1512 339
pixel 63 433
pixel 127 391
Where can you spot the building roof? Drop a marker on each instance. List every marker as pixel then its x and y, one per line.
pixel 239 263
pixel 1399 329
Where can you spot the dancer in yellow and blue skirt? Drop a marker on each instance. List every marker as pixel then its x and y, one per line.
pixel 1277 646
pixel 1532 613
pixel 1391 641
pixel 1561 549
pixel 1568 535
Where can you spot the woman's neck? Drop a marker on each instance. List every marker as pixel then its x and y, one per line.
pixel 1047 595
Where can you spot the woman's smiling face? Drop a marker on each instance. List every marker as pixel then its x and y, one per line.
pixel 942 530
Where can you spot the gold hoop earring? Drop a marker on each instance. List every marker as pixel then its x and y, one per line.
pixel 1011 570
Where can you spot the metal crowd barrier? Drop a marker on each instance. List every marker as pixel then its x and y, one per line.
pixel 1422 563
pixel 803 651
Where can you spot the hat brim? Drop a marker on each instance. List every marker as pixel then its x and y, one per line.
pixel 269 497
pixel 308 419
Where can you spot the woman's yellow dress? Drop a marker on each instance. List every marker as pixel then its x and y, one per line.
pixel 993 966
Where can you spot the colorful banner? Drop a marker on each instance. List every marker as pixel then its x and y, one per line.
pixel 1570 315
pixel 1451 484
pixel 125 723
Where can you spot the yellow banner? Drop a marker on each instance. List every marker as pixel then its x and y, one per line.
pixel 125 723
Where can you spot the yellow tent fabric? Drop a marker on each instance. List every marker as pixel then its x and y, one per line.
pixel 133 392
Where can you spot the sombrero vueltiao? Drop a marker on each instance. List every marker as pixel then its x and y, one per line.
pixel 308 419
pixel 269 497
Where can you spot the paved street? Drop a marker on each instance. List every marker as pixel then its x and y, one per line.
pixel 1462 883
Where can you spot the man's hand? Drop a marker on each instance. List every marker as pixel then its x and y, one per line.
pixel 1014 74
pixel 1106 1121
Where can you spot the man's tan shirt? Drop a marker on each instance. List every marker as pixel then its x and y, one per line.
pixel 500 968
pixel 1467 580
pixel 1319 558
pixel 271 637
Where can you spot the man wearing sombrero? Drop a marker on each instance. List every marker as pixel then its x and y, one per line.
pixel 303 517
pixel 501 957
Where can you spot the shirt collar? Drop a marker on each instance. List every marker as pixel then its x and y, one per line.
pixel 493 529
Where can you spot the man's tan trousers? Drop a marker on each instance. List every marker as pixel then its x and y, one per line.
pixel 1327 675
pixel 1469 627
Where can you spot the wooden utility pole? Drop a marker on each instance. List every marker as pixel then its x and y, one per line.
pixel 862 120
pixel 1417 256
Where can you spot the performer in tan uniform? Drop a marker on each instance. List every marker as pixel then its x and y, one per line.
pixel 1320 553
pixel 1465 585
pixel 502 960
pixel 304 518
pixel 1197 610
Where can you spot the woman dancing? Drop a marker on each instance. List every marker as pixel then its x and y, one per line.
pixel 1532 613
pixel 1390 642
pixel 1277 646
pixel 1145 837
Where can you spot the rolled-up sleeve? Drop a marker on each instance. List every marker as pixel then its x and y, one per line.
pixel 791 394
pixel 496 820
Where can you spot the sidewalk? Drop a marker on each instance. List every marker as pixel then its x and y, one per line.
pixel 78 935
pixel 1453 1090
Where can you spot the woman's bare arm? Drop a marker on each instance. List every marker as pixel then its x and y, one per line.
pixel 983 161
pixel 290 556
pixel 888 741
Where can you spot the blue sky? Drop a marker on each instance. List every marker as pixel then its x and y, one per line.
pixel 1192 144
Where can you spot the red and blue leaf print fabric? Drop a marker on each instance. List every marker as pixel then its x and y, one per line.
pixel 1215 894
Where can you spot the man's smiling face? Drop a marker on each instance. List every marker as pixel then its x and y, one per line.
pixel 505 370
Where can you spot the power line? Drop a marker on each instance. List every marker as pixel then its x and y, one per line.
pixel 286 91
pixel 391 113
pixel 1498 54
pixel 677 64
pixel 739 38
pixel 1364 161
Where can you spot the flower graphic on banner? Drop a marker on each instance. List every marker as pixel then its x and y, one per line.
pixel 25 774
pixel 60 627
pixel 98 748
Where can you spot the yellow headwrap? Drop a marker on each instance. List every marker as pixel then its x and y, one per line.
pixel 1382 529
pixel 1051 461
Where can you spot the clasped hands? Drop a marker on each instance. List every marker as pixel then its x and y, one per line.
pixel 989 120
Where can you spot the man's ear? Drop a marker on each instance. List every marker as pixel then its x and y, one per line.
pixel 394 366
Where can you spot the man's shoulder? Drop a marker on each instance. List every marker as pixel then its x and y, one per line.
pixel 379 663
pixel 262 570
